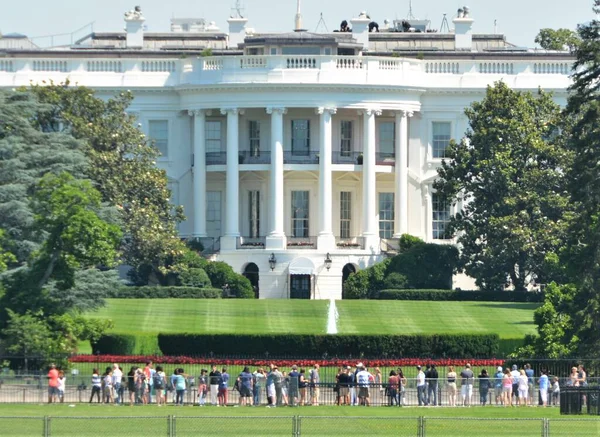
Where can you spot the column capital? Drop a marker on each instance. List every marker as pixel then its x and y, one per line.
pixel 427 192
pixel 275 109
pixel 198 112
pixel 403 113
pixel 322 110
pixel 234 111
pixel 370 111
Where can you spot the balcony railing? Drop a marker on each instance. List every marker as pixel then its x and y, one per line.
pixel 341 157
pixel 302 242
pixel 304 157
pixel 254 157
pixel 216 158
pixel 385 158
pixel 211 245
pixel 250 243
pixel 350 243
pixel 390 245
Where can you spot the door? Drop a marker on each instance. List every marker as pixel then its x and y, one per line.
pixel 300 286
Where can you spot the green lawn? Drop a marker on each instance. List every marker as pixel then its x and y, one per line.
pixel 85 420
pixel 509 320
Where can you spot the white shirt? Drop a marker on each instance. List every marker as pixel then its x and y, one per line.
pixel 117 376
pixel 362 378
pixel 61 384
pixel 515 376
pixel 523 382
pixel 420 378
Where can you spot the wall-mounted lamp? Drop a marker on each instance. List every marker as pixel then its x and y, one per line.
pixel 272 261
pixel 328 261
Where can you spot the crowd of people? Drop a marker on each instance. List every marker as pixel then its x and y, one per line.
pixel 354 385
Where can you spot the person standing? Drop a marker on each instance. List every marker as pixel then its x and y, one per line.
pixel 402 388
pixel 107 383
pixel 295 386
pixel 315 381
pixel 544 388
pixel 523 388
pixel 180 386
pixel 432 385
pixel 467 378
pixel 202 387
pixel 515 374
pixel 362 379
pixel 530 375
pixel 117 376
pixel 555 391
pixel 392 389
pixel 498 385
pixel 484 387
pixel 271 388
pixel 223 387
pixel 259 379
pixel 344 386
pixel 62 382
pixel 96 385
pixel 52 384
pixel 148 371
pixel 452 390
pixel 421 387
pixel 245 385
pixel 214 378
pixel 278 384
pixel 130 385
pixel 506 388
pixel 160 383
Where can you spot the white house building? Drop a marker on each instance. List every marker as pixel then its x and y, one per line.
pixel 298 157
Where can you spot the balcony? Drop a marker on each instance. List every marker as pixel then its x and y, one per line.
pixel 254 157
pixel 250 243
pixel 356 243
pixel 343 157
pixel 301 242
pixel 385 158
pixel 216 158
pixel 304 157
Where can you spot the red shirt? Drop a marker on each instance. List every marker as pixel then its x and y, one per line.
pixel 53 378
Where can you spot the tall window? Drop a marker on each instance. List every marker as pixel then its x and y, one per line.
pixel 300 137
pixel 441 218
pixel 254 210
pixel 386 215
pixel 345 213
pixel 346 138
pixel 300 214
pixel 213 136
pixel 441 138
pixel 387 135
pixel 254 134
pixel 213 213
pixel 159 133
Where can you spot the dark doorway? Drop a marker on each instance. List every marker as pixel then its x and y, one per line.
pixel 251 272
pixel 300 287
pixel 346 272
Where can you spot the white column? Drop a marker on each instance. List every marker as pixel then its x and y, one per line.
pixel 199 181
pixel 401 175
pixel 276 238
pixel 428 213
pixel 232 182
pixel 326 240
pixel 369 181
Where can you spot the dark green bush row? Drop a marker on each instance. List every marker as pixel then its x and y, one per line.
pixel 127 344
pixel 456 346
pixel 166 293
pixel 461 295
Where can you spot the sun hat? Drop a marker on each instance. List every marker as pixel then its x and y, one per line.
pixel 499 369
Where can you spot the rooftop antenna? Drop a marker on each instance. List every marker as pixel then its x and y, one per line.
pixel 410 14
pixel 298 18
pixel 321 22
pixel 495 26
pixel 237 10
pixel 445 26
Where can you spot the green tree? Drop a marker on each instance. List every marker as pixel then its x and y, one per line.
pixel 123 168
pixel 510 173
pixel 558 39
pixel 5 256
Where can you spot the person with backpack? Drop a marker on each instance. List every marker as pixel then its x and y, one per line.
pixel 159 380
pixel 202 387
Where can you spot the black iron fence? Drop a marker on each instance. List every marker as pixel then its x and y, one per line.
pixel 296 426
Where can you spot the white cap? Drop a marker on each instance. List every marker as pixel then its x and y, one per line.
pixel 360 365
pixel 499 369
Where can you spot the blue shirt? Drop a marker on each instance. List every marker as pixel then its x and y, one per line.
pixel 499 376
pixel 246 379
pixel 224 380
pixel 544 382
pixel 179 382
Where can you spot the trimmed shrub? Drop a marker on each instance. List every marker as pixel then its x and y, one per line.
pixel 461 295
pixel 366 283
pixel 194 277
pixel 166 293
pixel 127 344
pixel 456 346
pixel 222 274
pixel 426 265
pixel 395 281
pixel 408 241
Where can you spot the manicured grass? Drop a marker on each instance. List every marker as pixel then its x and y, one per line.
pixel 85 420
pixel 509 320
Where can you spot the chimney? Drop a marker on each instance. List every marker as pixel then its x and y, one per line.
pixel 237 31
pixel 463 33
pixel 360 29
pixel 134 26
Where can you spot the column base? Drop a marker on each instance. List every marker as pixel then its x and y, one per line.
pixel 372 243
pixel 228 243
pixel 276 242
pixel 326 242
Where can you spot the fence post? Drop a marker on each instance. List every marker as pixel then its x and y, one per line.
pixel 296 426
pixel 46 426
pixel 171 426
pixel 545 427
pixel 421 427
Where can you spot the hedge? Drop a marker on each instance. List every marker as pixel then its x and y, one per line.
pixel 456 346
pixel 127 344
pixel 462 295
pixel 147 292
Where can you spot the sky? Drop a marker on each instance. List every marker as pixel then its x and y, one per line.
pixel 519 20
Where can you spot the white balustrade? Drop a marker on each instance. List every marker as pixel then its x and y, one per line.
pixel 104 66
pixel 6 65
pixel 349 63
pixel 253 62
pixel 390 64
pixel 552 68
pixel 496 68
pixel 158 66
pixel 442 67
pixel 210 64
pixel 50 65
pixel 300 62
